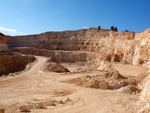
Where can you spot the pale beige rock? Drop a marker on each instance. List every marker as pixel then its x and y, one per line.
pixel 86 46
pixel 24 108
pixel 40 106
pixel 81 46
pixel 144 101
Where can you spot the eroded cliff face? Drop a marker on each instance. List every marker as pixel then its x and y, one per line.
pixel 142 48
pixel 91 46
pixel 3 45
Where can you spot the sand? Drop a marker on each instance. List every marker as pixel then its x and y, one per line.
pixel 35 85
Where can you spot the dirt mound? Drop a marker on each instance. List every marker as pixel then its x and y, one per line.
pixel 113 74
pixel 130 89
pixel 54 67
pixel 11 64
pixel 109 80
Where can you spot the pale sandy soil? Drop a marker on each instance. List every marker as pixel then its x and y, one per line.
pixel 130 69
pixel 72 67
pixel 35 86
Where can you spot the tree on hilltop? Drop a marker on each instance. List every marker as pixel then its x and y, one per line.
pixel 115 29
pixel 112 28
pixel 99 27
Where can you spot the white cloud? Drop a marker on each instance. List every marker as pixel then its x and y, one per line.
pixel 12 31
pixel 85 27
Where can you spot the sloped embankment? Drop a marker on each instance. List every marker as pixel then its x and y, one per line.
pixel 11 64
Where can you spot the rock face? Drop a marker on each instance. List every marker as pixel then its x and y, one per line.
pixel 144 102
pixel 78 57
pixel 3 45
pixel 87 46
pixel 142 49
pixel 11 64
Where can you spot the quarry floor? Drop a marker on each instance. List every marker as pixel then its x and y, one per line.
pixel 34 85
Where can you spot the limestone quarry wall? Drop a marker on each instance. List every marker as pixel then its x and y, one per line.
pixel 3 45
pixel 108 45
pixel 85 40
pixel 142 48
pixel 79 58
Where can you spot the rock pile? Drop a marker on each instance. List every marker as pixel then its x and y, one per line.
pixel 109 80
pixel 54 67
pixel 43 105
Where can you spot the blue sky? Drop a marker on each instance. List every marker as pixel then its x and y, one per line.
pixel 23 17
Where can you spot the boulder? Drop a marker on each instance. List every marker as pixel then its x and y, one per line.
pixel 114 74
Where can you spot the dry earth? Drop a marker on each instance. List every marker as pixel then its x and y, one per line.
pixel 43 92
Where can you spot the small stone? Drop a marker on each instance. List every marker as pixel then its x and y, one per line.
pixel 40 106
pixel 61 102
pixel 24 108
pixel 2 110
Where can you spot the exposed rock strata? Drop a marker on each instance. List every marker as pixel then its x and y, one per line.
pixel 92 47
pixel 80 58
pixel 3 45
pixel 142 48
pixel 102 45
pixel 11 64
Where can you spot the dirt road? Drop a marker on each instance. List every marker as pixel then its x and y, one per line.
pixel 35 86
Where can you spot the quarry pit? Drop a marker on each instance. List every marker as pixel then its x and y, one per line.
pixel 83 71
